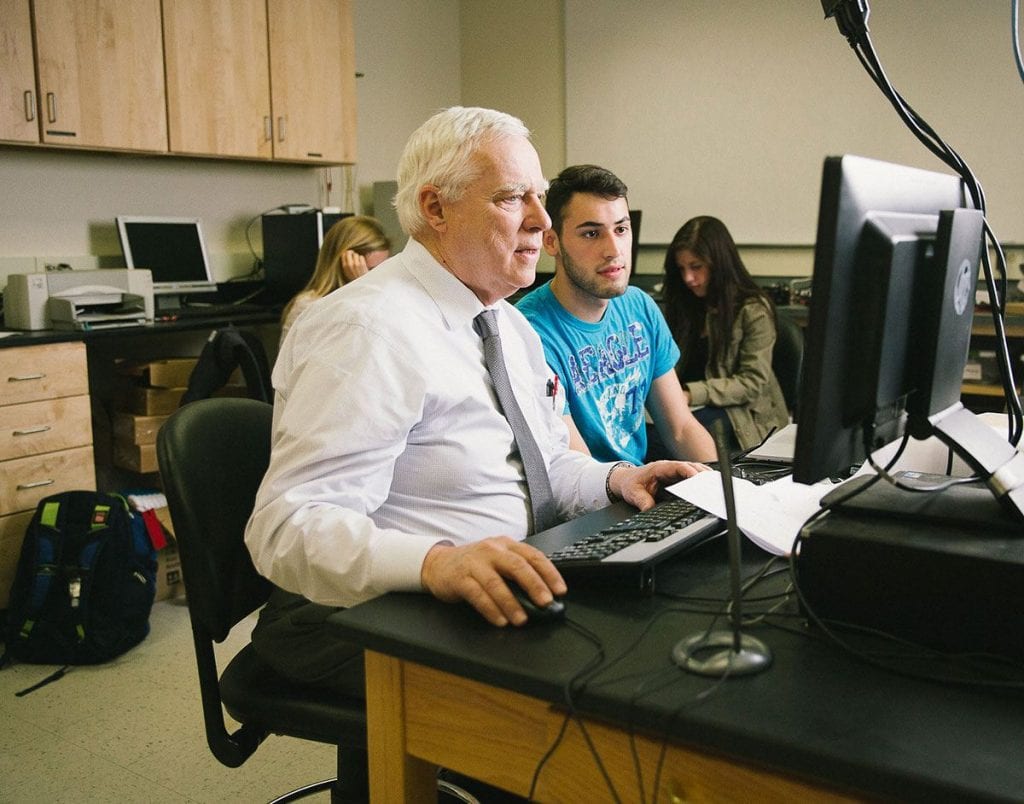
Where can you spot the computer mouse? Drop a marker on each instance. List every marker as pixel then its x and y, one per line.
pixel 555 610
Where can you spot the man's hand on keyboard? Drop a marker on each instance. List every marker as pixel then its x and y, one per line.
pixel 637 485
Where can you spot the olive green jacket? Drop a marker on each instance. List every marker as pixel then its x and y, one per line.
pixel 742 381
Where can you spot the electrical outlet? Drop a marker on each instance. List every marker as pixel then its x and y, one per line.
pixel 76 262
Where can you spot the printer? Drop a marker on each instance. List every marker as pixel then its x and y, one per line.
pixel 79 300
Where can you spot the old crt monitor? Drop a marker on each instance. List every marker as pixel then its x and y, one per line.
pixel 895 267
pixel 174 252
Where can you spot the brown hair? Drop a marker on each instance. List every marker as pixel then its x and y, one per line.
pixel 730 286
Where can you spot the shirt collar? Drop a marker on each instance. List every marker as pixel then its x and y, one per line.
pixel 457 304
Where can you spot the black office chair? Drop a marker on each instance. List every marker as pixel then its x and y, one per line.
pixel 213 454
pixel 788 357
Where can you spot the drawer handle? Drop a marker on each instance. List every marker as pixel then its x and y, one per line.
pixel 25 377
pixel 35 485
pixel 32 430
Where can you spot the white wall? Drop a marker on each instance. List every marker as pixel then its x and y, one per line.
pixel 730 108
pixel 408 52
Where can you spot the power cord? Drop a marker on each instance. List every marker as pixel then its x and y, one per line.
pixel 852 20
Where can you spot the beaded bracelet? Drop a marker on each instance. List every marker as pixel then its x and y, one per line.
pixel 608 479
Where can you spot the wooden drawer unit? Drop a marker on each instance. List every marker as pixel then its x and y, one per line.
pixel 12 531
pixel 45 426
pixel 31 373
pixel 27 480
pixel 45 437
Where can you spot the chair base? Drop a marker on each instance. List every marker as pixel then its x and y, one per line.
pixel 305 790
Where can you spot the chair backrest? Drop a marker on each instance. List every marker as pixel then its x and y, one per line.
pixel 213 454
pixel 226 349
pixel 788 357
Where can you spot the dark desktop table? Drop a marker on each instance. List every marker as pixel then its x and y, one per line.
pixel 445 688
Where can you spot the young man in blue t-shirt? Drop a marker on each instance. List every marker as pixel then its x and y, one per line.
pixel 607 342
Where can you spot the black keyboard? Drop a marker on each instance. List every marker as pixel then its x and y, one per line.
pixel 642 538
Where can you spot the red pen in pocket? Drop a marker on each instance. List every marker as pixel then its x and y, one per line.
pixel 553 391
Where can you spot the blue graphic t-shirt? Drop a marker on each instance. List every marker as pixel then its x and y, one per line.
pixel 607 368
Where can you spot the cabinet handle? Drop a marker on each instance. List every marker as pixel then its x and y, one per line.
pixel 280 129
pixel 30 106
pixel 268 128
pixel 42 428
pixel 34 485
pixel 25 377
pixel 51 107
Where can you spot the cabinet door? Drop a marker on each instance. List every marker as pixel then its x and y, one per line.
pixel 101 73
pixel 18 120
pixel 218 91
pixel 312 80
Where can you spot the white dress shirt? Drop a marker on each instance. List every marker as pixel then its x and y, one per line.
pixel 388 437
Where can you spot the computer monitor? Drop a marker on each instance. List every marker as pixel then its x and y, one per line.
pixel 171 248
pixel 895 268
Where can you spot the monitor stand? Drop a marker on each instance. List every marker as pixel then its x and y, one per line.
pixel 997 462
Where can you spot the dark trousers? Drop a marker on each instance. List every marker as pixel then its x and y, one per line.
pixel 291 637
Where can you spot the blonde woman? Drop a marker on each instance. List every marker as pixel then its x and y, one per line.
pixel 351 247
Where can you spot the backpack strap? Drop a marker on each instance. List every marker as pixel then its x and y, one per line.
pixel 100 520
pixel 46 565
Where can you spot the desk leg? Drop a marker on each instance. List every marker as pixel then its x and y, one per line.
pixel 394 775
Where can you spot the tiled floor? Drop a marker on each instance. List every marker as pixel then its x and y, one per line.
pixel 131 730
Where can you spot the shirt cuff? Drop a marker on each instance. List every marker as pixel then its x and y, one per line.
pixel 398 561
pixel 698 393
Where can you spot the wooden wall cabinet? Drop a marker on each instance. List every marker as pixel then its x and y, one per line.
pixel 45 437
pixel 19 120
pixel 312 80
pixel 248 79
pixel 100 70
pixel 263 79
pixel 218 87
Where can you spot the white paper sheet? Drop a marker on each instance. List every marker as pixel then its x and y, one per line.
pixel 770 515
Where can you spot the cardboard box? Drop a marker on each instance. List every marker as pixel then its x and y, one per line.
pixel 164 515
pixel 172 372
pixel 135 457
pixel 146 401
pixel 169 583
pixel 131 428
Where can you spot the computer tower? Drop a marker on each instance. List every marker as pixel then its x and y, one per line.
pixel 384 211
pixel 291 244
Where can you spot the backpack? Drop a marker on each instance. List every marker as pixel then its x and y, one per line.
pixel 85 582
pixel 225 350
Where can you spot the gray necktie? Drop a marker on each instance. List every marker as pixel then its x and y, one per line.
pixel 542 501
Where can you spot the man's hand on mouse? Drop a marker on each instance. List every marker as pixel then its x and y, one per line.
pixel 637 485
pixel 476 573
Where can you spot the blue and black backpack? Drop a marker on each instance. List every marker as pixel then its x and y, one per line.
pixel 85 582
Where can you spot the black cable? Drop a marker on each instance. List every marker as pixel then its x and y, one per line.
pixel 852 18
pixel 826 626
pixel 589 667
pixel 1015 36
